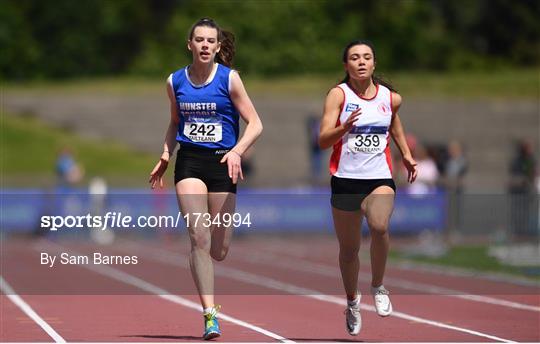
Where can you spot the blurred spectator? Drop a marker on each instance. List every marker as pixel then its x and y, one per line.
pixel 313 124
pixel 68 171
pixel 58 201
pixel 439 153
pixel 523 169
pixel 455 169
pixel 522 189
pixel 428 174
pixel 399 171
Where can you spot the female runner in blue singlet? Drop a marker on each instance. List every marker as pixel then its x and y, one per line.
pixel 206 100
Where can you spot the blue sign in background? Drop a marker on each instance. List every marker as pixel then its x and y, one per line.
pixel 270 211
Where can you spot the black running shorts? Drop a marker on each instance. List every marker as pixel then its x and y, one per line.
pixel 348 194
pixel 204 164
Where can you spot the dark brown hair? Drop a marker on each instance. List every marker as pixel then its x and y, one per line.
pixel 226 52
pixel 376 79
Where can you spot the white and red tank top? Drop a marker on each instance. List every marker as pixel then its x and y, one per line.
pixel 364 152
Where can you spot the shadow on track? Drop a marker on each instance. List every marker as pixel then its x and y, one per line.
pixel 195 338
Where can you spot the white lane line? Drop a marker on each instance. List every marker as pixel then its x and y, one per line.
pixel 19 302
pixel 126 278
pixel 330 271
pixel 247 277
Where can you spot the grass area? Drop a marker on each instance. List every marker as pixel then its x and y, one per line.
pixel 29 148
pixel 512 84
pixel 467 257
pixel 507 84
pixel 122 85
pixel 520 84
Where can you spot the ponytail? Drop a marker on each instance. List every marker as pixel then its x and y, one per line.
pixel 226 53
pixel 345 79
pixel 377 80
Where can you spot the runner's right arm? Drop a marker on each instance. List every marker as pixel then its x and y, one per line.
pixel 156 176
pixel 170 136
pixel 330 133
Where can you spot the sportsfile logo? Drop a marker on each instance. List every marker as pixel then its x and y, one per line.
pixel 351 107
pixel 114 220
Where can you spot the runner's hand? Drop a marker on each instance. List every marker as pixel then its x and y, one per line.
pixel 234 165
pixel 157 173
pixel 349 123
pixel 410 165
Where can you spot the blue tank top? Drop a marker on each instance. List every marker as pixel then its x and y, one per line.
pixel 208 118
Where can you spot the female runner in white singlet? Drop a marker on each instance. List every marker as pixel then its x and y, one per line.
pixel 360 116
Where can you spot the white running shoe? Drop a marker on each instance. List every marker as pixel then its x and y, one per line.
pixel 353 319
pixel 382 301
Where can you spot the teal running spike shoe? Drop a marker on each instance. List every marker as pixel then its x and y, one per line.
pixel 211 324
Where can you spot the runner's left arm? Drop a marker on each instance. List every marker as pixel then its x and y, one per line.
pixel 245 107
pixel 253 129
pixel 398 134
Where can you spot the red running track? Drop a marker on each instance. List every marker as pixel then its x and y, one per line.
pixel 280 289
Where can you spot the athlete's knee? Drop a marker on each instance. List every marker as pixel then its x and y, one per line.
pixel 200 240
pixel 219 254
pixel 378 226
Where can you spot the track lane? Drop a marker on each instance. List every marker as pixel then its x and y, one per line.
pixel 129 315
pixel 323 252
pixel 17 326
pixel 291 309
pixel 463 313
pixel 230 273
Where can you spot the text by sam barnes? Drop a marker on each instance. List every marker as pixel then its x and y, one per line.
pixel 96 258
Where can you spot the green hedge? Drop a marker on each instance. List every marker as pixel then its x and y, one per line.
pixel 65 38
